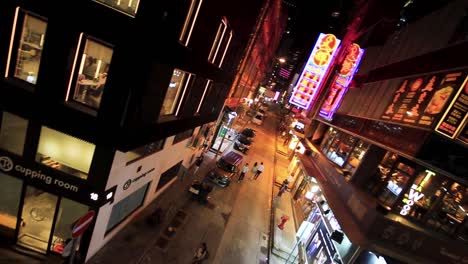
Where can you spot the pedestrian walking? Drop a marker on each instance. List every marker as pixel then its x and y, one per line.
pixel 198 163
pixel 245 169
pixel 254 168
pixel 259 170
pixel 200 254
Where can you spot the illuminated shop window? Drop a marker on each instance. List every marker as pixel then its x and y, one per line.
pixel 13 133
pixel 65 153
pixel 220 44
pixel 175 94
pixel 26 44
pixel 90 71
pixel 190 20
pixel 208 86
pixel 128 7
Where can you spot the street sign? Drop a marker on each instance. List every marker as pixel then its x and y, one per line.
pixel 82 224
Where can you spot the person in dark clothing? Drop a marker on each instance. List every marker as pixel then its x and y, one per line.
pixel 198 163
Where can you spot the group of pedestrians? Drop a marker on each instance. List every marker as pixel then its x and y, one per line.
pixel 257 169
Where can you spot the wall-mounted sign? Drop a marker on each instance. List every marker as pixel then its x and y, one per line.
pixel 463 136
pixel 315 70
pixel 49 180
pixel 341 82
pixel 421 100
pixel 137 178
pixel 415 193
pixel 456 114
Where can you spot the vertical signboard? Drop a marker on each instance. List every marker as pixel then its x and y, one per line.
pixel 307 87
pixel 341 82
pixel 455 115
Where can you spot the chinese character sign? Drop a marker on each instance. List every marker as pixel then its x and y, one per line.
pixel 343 78
pixel 314 71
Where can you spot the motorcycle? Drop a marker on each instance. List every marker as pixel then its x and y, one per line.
pixel 200 191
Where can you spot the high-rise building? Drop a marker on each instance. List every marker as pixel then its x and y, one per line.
pixel 103 105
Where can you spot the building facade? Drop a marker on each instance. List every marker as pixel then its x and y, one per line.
pixel 104 104
pixel 391 160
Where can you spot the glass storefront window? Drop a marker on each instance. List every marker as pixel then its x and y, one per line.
pixel 327 139
pixel 9 204
pixel 382 172
pixel 356 156
pixel 65 153
pixel 68 213
pixel 37 218
pixel 126 207
pixel 129 7
pixel 91 76
pixel 175 92
pixel 30 47
pixel 13 133
pixel 397 182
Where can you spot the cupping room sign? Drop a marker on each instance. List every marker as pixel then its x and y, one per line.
pixel 8 165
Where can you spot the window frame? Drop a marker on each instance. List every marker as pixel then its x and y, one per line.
pixel 218 40
pixel 15 40
pixel 190 21
pixel 71 89
pixel 208 86
pixel 171 176
pixel 118 10
pixel 163 143
pixel 188 80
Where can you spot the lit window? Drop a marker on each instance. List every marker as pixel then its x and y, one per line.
pixel 190 20
pixel 89 72
pixel 28 43
pixel 209 84
pixel 65 153
pixel 175 92
pixel 128 7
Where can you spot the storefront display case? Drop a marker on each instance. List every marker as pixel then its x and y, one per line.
pixel 344 150
pixel 395 184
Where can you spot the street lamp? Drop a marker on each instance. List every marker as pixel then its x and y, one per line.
pixel 282 60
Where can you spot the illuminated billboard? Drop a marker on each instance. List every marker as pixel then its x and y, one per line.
pixel 340 84
pixel 307 87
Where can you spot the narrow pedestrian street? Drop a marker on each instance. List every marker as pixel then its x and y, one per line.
pixel 234 223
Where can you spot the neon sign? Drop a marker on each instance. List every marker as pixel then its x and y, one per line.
pixel 342 80
pixel 415 194
pixel 305 91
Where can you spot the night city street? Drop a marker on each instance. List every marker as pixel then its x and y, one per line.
pixel 234 132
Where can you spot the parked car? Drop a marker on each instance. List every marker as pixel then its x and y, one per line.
pixel 248 132
pixel 258 119
pixel 226 167
pixel 242 143
pixel 217 176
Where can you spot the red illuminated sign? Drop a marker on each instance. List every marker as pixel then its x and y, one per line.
pixel 312 75
pixel 342 80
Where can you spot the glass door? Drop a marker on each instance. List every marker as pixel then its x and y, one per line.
pixel 36 219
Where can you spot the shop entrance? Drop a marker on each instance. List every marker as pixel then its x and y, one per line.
pixel 37 218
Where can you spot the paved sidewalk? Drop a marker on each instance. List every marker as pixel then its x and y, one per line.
pixel 284 241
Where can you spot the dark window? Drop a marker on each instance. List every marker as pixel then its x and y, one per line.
pixel 182 135
pixel 144 151
pixel 126 207
pixel 168 175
